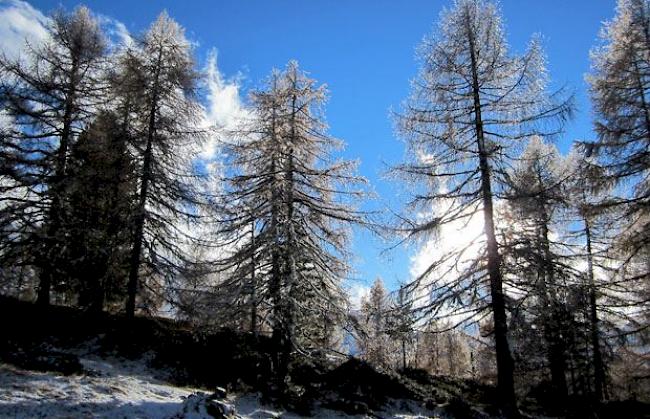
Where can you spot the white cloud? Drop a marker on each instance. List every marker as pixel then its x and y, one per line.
pixel 454 236
pixel 20 23
pixel 463 239
pixel 116 31
pixel 356 292
pixel 225 108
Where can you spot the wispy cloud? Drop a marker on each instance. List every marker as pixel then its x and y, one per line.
pixel 224 108
pixel 117 32
pixel 20 23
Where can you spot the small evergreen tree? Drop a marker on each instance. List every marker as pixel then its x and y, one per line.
pixel 401 322
pixel 374 340
pixel 99 214
pixel 537 196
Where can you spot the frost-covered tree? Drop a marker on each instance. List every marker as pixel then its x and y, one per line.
pixel 620 85
pixel 284 183
pixel 166 128
pixel 443 350
pixel 251 206
pixel 471 105
pixel 535 259
pixel 401 322
pixel 589 194
pixel 620 88
pixel 373 318
pixel 49 95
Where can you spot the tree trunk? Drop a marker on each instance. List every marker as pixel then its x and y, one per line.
pixel 275 285
pixel 599 368
pixel 138 236
pixel 552 324
pixel 55 216
pixel 253 284
pixel 289 257
pixel 505 364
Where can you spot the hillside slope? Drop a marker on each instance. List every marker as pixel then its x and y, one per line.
pixel 120 388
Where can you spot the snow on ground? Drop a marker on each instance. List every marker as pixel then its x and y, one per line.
pixel 111 389
pixel 115 388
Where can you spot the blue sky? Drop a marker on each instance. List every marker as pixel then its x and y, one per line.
pixel 364 51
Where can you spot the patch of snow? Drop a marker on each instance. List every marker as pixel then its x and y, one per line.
pixel 110 390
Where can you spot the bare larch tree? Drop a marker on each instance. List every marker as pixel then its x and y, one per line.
pixel 284 183
pixel 167 129
pixel 620 88
pixel 49 94
pixel 471 104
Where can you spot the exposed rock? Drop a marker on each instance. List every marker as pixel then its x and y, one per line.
pixel 351 407
pixel 359 381
pixel 221 410
pixel 459 408
pixel 202 405
pixel 219 393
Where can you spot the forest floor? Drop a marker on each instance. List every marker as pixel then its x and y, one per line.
pixel 62 363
